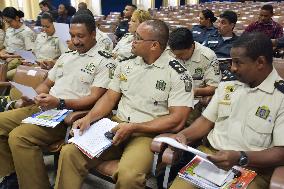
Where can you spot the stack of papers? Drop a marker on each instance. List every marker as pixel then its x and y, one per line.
pixel 25 90
pixel 49 118
pixel 27 55
pixel 93 141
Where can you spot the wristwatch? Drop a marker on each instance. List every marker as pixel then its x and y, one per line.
pixel 61 104
pixel 243 161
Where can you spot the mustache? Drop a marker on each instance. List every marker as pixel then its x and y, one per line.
pixel 78 45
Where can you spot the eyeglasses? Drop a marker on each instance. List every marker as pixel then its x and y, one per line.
pixel 137 37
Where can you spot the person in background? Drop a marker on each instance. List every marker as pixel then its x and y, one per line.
pixel 123 48
pixel 266 24
pixel 45 7
pixel 205 28
pixel 122 28
pixel 63 14
pixel 2 31
pixel 18 37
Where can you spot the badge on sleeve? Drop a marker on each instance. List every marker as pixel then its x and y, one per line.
pixel 262 112
pixel 161 85
pixel 229 88
pixel 187 82
pixel 111 68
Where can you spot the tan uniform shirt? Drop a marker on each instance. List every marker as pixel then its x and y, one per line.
pixel 203 67
pixel 149 90
pixel 123 47
pixel 19 39
pixel 247 119
pixel 104 42
pixel 48 47
pixel 75 74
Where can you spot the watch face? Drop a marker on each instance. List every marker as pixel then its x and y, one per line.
pixel 243 160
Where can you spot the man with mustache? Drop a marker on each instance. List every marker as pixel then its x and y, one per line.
pixel 77 80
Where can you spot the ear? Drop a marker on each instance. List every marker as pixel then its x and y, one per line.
pixel 155 45
pixel 93 35
pixel 261 62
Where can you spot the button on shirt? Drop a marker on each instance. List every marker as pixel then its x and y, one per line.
pixel 247 119
pixel 124 46
pixel 19 39
pixel 48 47
pixel 220 46
pixel 200 33
pixel 75 74
pixel 149 90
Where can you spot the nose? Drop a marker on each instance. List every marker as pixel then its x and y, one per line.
pixel 75 41
pixel 233 68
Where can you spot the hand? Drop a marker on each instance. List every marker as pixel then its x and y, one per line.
pixel 82 124
pixel 225 159
pixel 122 132
pixel 180 138
pixel 25 101
pixel 46 101
pixel 46 64
pixel 26 63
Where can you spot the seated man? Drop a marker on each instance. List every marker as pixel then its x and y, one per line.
pixel 244 120
pixel 154 92
pixel 201 62
pixel 221 42
pixel 266 24
pixel 77 80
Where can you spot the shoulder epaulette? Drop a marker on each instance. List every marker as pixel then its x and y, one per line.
pixel 279 85
pixel 228 76
pixel 105 54
pixel 128 58
pixel 177 66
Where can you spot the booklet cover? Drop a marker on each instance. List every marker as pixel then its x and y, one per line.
pixel 201 174
pixel 49 118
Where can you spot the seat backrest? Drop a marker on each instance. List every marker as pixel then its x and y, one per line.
pixel 29 76
pixel 278 64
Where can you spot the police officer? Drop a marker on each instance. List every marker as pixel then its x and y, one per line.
pixel 123 48
pixel 243 130
pixel 206 27
pixel 78 79
pixel 200 61
pixel 154 92
pixel 221 42
pixel 18 36
pixel 122 28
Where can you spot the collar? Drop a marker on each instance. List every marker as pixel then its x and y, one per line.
pixel 20 28
pixel 268 84
pixel 266 24
pixel 91 53
pixel 160 62
pixel 196 56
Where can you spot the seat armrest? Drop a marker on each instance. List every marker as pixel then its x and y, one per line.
pixel 72 117
pixel 277 179
pixel 5 84
pixel 157 146
pixel 171 157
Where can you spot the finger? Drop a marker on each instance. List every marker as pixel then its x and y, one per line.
pixel 117 138
pixel 115 129
pixel 71 132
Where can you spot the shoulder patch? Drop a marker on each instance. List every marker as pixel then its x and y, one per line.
pixel 105 54
pixel 279 85
pixel 228 76
pixel 178 67
pixel 128 58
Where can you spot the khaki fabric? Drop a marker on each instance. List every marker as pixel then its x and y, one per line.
pixel 247 119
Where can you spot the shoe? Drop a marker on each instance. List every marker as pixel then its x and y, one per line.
pixel 10 182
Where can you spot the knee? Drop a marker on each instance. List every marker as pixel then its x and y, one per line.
pixel 67 152
pixel 130 176
pixel 14 138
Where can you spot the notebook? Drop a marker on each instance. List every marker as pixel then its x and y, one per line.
pixel 93 141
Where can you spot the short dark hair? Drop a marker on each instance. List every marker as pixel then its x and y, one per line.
pixel 86 19
pixel 48 16
pixel 11 12
pixel 208 14
pixel 84 11
pixel 256 44
pixel 160 31
pixel 82 5
pixel 180 38
pixel 131 5
pixel 231 16
pixel 267 7
pixel 46 3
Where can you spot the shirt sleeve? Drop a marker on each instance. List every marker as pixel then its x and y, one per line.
pixel 181 93
pixel 250 28
pixel 52 72
pixel 280 42
pixel 278 32
pixel 103 73
pixel 211 111
pixel 278 131
pixel 63 48
pixel 29 39
pixel 115 81
pixel 212 76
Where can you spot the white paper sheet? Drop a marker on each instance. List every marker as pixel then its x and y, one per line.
pixel 178 145
pixel 25 90
pixel 27 55
pixel 62 32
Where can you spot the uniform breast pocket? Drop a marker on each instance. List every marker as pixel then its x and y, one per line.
pixel 84 83
pixel 124 86
pixel 258 131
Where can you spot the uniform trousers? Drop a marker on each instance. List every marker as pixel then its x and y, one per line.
pixel 21 147
pixel 261 181
pixel 135 163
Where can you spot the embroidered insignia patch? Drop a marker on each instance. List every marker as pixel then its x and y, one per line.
pixel 122 77
pixel 262 112
pixel 161 85
pixel 187 82
pixel 111 68
pixel 229 88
